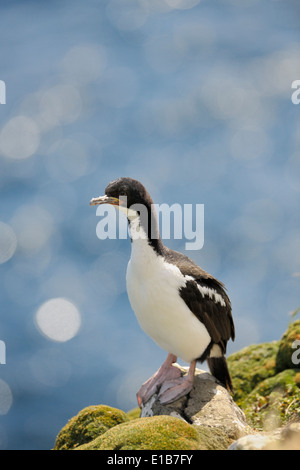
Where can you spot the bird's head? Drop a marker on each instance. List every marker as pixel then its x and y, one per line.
pixel 132 198
pixel 125 193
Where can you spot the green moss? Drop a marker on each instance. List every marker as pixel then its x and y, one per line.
pixel 274 402
pixel 87 425
pixel 134 413
pixel 250 366
pixel 285 350
pixel 297 379
pixel 154 433
pixel 266 382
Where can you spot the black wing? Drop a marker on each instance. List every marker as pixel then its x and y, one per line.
pixel 206 298
pixel 214 314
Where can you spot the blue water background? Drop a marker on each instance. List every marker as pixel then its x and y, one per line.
pixel 192 98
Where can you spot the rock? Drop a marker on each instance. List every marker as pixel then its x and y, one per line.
pixel 209 408
pixel 287 438
pixel 252 442
pixel 156 433
pixel 87 425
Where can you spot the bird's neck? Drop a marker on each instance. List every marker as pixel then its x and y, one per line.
pixel 144 231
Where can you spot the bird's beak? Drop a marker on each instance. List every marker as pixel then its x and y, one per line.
pixel 105 200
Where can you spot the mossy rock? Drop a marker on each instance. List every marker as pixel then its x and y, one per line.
pixel 250 366
pixel 267 389
pixel 153 433
pixel 275 401
pixel 285 350
pixel 87 425
pixel 266 382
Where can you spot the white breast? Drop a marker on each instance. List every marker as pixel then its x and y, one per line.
pixel 152 286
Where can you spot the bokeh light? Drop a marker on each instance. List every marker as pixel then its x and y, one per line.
pixel 8 242
pixel 34 227
pixel 60 104
pixel 67 160
pixel 58 319
pixel 6 397
pixel 19 138
pixel 83 64
pixel 182 4
pixel 127 16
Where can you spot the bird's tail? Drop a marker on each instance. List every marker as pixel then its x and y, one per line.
pixel 219 369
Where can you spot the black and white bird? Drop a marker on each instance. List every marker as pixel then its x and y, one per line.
pixel 185 310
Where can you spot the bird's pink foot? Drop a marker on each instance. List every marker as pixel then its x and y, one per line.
pixel 166 373
pixel 172 390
